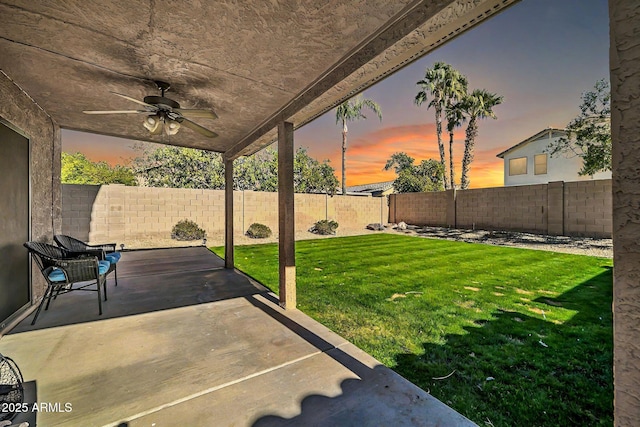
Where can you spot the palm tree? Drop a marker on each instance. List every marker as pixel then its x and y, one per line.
pixel 455 118
pixel 478 105
pixel 433 84
pixel 455 93
pixel 444 84
pixel 351 110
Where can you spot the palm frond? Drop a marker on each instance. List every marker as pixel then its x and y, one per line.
pixel 351 109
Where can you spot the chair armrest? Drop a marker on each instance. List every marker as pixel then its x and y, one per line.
pixel 88 252
pixel 107 247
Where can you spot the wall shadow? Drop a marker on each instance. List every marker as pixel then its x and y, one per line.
pixel 78 201
pixel 528 369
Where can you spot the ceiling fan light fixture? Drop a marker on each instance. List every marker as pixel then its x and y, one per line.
pixel 164 115
pixel 171 127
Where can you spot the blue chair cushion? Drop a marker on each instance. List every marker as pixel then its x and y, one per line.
pixel 57 275
pixel 113 257
pixel 103 266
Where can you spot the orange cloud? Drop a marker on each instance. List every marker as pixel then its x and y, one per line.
pixel 367 155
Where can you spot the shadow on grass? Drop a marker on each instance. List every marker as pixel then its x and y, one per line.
pixel 518 369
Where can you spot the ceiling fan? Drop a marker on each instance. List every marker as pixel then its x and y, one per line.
pixel 164 114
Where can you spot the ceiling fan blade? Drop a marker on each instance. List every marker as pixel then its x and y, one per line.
pixel 196 127
pixel 197 114
pixel 119 112
pixel 135 100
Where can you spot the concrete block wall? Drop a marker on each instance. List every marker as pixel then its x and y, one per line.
pixel 421 208
pixel 559 208
pixel 252 206
pixel 116 213
pixel 353 212
pixel 587 208
pixel 521 208
pixel 310 208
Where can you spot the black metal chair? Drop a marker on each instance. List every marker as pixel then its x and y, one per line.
pixel 77 247
pixel 62 270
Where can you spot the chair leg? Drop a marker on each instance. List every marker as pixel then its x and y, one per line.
pixel 51 295
pixel 115 273
pixel 44 297
pixel 100 296
pixel 104 286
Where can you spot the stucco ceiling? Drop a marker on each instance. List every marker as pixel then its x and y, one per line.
pixel 253 63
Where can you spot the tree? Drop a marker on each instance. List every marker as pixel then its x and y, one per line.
pixel 258 172
pixel 445 85
pixel 351 110
pixel 477 105
pixel 399 161
pixel 427 176
pixel 455 118
pixel 589 134
pixel 311 176
pixel 180 167
pixel 77 169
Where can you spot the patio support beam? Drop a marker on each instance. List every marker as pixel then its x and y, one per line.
pixel 228 212
pixel 624 62
pixel 286 225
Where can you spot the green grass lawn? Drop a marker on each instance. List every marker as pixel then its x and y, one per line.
pixel 527 334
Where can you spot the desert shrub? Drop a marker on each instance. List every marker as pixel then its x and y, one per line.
pixel 324 227
pixel 187 230
pixel 258 231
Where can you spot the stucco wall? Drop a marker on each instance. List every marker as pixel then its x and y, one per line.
pixel 19 110
pixel 574 208
pixel 625 132
pixel 122 214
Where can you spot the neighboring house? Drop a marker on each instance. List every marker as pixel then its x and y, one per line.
pixel 377 189
pixel 529 162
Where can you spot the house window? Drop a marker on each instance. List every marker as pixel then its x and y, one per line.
pixel 540 164
pixel 518 166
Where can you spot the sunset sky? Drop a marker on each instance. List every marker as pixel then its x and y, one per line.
pixel 539 54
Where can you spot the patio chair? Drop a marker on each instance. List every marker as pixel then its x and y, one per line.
pixel 104 252
pixel 61 271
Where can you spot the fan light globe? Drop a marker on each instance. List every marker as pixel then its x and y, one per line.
pixel 171 127
pixel 152 123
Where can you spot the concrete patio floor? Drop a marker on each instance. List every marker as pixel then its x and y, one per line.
pixel 185 342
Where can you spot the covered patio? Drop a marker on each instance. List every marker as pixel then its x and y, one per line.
pixel 184 341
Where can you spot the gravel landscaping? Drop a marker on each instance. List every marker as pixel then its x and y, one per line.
pixel 573 245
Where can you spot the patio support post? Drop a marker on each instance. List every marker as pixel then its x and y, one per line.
pixel 624 62
pixel 228 212
pixel 286 225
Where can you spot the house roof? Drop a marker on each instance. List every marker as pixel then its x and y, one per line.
pixel 543 134
pixel 254 63
pixel 369 188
